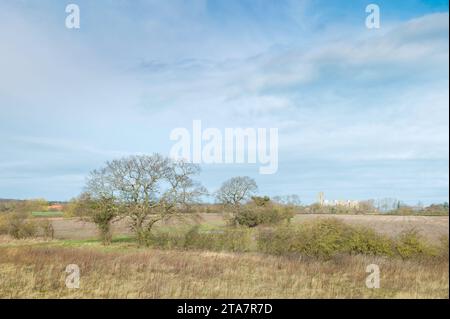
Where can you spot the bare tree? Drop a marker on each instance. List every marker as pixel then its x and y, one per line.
pixel 235 191
pixel 292 200
pixel 149 188
pixel 184 191
pixel 387 204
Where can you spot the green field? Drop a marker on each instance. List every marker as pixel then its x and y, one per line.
pixel 47 214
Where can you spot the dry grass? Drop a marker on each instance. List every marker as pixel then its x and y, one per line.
pixel 36 270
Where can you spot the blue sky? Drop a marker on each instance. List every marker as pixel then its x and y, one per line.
pixel 362 113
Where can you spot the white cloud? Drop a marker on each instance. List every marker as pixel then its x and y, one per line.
pixel 118 89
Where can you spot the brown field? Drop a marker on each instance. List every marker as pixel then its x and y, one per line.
pixel 37 271
pixel 431 227
pixel 35 268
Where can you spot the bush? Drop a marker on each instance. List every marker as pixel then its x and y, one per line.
pixel 411 245
pixel 46 229
pixel 261 200
pixel 262 212
pixel 366 241
pixel 231 239
pixel 163 240
pixel 323 239
pixel 17 226
pixel 279 241
pixel 247 217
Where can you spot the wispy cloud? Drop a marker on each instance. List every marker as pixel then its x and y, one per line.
pixel 341 95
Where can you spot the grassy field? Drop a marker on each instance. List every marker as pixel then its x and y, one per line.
pixel 34 269
pixel 47 214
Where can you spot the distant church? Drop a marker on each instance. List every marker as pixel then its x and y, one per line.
pixel 345 203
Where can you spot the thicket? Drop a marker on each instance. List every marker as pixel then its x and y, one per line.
pixel 328 238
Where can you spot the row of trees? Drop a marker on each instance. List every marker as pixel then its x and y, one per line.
pixel 148 189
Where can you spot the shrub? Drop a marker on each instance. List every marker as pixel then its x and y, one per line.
pixel 410 244
pixel 436 210
pixel 17 226
pixel 367 241
pixel 231 239
pixel 249 217
pixel 46 228
pixel 279 241
pixel 262 212
pixel 234 239
pixel 164 240
pixel 323 239
pixel 261 200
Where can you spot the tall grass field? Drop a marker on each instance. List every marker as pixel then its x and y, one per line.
pixel 325 258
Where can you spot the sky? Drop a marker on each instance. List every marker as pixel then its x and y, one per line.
pixel 361 113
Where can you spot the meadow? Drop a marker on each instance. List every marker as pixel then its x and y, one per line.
pixel 211 260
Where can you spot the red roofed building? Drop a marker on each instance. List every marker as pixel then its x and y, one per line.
pixel 55 208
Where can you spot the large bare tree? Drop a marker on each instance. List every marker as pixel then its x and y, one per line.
pixel 149 188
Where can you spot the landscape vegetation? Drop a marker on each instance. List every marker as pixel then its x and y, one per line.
pixel 141 229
